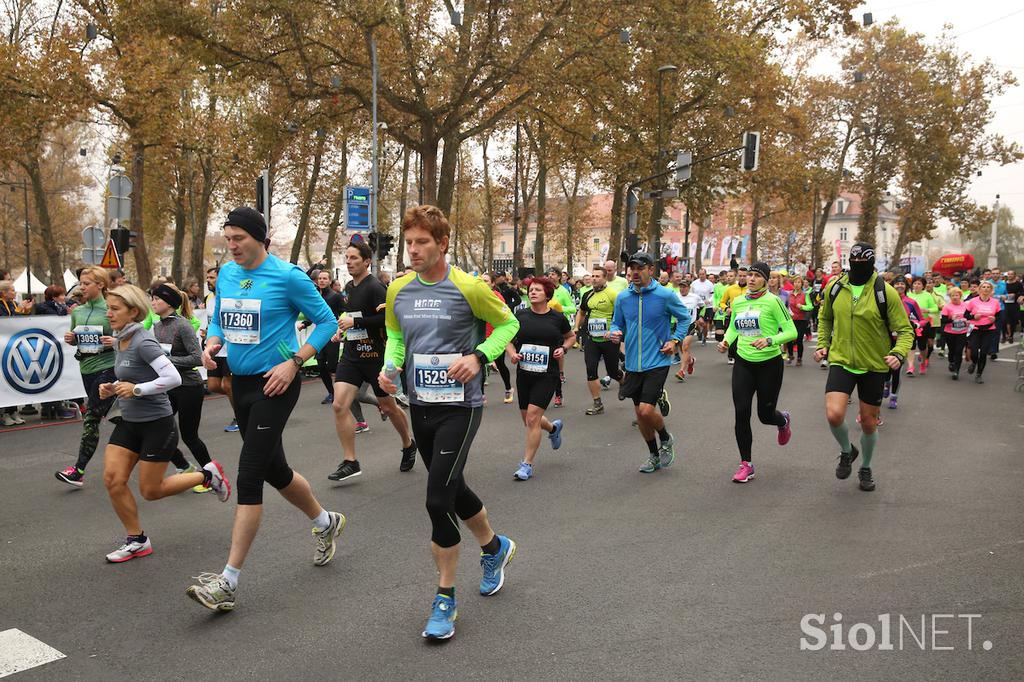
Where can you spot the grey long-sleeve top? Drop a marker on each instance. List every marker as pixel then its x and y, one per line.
pixel 176 333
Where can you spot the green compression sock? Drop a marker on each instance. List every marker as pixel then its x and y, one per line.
pixel 867 448
pixel 842 435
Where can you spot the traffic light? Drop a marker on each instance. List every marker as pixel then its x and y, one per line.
pixel 751 150
pixel 372 240
pixel 121 238
pixel 132 234
pixel 263 194
pixel 384 245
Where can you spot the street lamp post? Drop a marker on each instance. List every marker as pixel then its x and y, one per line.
pixel 515 209
pixel 662 70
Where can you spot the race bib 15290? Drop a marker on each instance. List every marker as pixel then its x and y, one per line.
pixel 431 381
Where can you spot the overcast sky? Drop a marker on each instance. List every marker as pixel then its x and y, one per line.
pixel 992 29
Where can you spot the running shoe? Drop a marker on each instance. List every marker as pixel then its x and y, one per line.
pixel 328 399
pixel 978 379
pixel 744 473
pixel 441 624
pixel 924 366
pixel 362 427
pixel 558 401
pixel 789 362
pixel 408 457
pixel 732 361
pixel 799 362
pixel 885 389
pixel 824 364
pixel 402 399
pixel 508 396
pixel 199 489
pixel 72 476
pixel 690 364
pixel 786 430
pixel 556 436
pixel 18 421
pixel 493 566
pixel 346 470
pixel 605 381
pixel 867 483
pixel 971 367
pixel 325 544
pixel 956 376
pixel 910 372
pixel 213 591
pixel 681 376
pixel 232 427
pixel 131 549
pixel 219 481
pixel 846 460
pixel 596 408
pixel 893 402
pixel 993 356
pixel 652 464
pixel 663 403
pixel 524 472
pixel 66 413
pixel 190 469
pixel 667 452
pixel 561 377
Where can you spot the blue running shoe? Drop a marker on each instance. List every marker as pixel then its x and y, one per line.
pixel 556 436
pixel 494 566
pixel 232 427
pixel 524 472
pixel 441 624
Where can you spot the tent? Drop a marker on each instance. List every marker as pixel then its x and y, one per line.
pixel 953 263
pixel 21 283
pixel 69 280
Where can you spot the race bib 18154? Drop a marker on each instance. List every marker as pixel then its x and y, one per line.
pixel 534 358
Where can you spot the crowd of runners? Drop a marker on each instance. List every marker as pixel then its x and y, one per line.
pixel 419 349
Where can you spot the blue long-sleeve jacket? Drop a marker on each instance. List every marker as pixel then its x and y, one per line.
pixel 644 318
pixel 255 313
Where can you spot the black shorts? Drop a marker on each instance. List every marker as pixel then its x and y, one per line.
pixel 691 330
pixel 594 351
pixel 719 325
pixel 356 373
pixel 869 385
pixel 222 369
pixel 535 388
pixel 708 314
pixel 644 387
pixel 921 342
pixel 153 441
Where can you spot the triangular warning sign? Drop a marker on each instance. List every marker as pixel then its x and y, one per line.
pixel 111 259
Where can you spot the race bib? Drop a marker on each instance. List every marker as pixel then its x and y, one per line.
pixel 1010 298
pixel 959 324
pixel 166 348
pixel 88 337
pixel 240 320
pixel 597 328
pixel 354 334
pixel 749 323
pixel 430 378
pixel 534 358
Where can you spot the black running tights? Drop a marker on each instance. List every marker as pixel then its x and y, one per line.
pixel 765 380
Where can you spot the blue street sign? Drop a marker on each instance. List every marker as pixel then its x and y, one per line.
pixel 357 209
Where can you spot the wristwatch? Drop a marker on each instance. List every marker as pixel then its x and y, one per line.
pixel 297 359
pixel 770 340
pixel 136 391
pixel 481 357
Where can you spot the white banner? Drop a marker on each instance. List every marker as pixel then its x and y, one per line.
pixel 36 366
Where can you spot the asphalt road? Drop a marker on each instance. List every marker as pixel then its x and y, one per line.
pixel 677 575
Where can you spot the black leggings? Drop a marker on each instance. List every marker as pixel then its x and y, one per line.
pixel 261 420
pixel 764 379
pixel 326 362
pixel 594 352
pixel 980 341
pixel 796 347
pixel 956 344
pixel 187 403
pixel 506 378
pixel 444 435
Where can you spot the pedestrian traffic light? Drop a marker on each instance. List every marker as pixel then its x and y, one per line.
pixel 751 150
pixel 121 238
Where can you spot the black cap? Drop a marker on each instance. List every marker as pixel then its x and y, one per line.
pixel 641 258
pixel 862 251
pixel 250 220
pixel 761 268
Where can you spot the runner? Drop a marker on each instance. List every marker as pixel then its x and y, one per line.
pixel 1014 299
pixel 218 378
pixel 917 322
pixel 595 316
pixel 926 341
pixel 733 291
pixel 692 302
pixel 955 329
pixel 800 308
pixel 177 337
pixel 983 311
pixel 641 316
pixel 362 359
pixel 760 326
pixel 615 283
pixel 145 433
pixel 92 335
pixel 725 279
pixel 327 358
pixel 259 298
pixel 705 289
pixel 434 320
pixel 499 362
pixel 854 333
pixel 543 337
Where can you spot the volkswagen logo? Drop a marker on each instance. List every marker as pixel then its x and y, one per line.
pixel 434 360
pixel 238 304
pixel 32 361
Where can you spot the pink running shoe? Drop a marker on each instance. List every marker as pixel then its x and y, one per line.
pixel 744 473
pixel 690 364
pixel 786 432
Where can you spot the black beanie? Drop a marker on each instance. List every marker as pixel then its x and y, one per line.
pixel 250 220
pixel 168 296
pixel 761 268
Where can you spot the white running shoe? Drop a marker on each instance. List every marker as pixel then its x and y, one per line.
pixel 219 481
pixel 130 550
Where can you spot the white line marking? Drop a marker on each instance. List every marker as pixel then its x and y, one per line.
pixel 941 560
pixel 19 652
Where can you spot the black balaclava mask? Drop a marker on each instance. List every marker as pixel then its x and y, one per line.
pixel 862 263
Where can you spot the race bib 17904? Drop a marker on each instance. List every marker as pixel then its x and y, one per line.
pixel 597 328
pixel 240 320
pixel 431 381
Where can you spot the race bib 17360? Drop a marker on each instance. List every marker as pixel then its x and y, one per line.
pixel 431 381
pixel 240 320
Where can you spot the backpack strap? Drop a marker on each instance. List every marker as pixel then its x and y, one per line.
pixel 883 309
